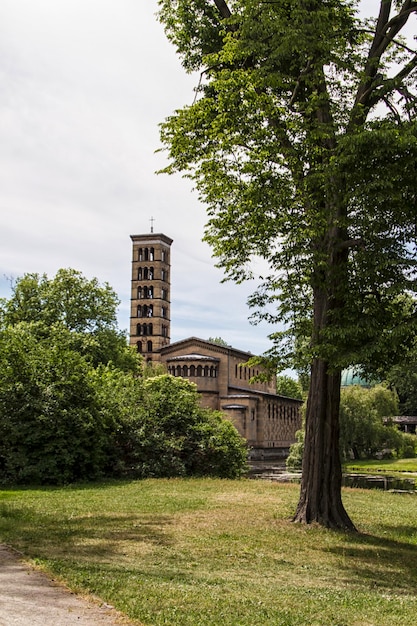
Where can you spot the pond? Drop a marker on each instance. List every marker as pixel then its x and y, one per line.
pixel 360 481
pixel 366 481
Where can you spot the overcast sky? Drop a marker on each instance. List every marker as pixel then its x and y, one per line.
pixel 83 87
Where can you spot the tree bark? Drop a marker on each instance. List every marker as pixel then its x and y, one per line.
pixel 320 495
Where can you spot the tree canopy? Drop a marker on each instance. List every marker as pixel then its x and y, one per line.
pixel 82 310
pixel 302 143
pixel 289 387
pixel 80 304
pixel 363 432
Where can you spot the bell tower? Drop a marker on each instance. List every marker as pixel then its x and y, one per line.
pixel 150 316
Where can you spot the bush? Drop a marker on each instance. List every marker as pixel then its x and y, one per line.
pixel 407 447
pixel 50 431
pixel 174 436
pixel 295 458
pixel 62 420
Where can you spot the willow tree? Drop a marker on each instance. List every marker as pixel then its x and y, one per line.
pixel 302 142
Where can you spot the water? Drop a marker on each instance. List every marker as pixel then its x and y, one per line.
pixel 279 473
pixel 387 483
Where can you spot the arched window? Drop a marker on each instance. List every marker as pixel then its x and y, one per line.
pixel 150 329
pixel 178 370
pixel 199 370
pixel 164 331
pixel 149 346
pixel 151 254
pixel 185 371
pixel 206 371
pixel 163 312
pixel 140 292
pixel 150 292
pixel 192 370
pixel 145 273
pixel 146 251
pixel 151 273
pixel 138 329
pixel 140 254
pixel 163 256
pixel 139 346
pixel 150 311
pixel 164 275
pixel 140 273
pixel 139 311
pixel 164 294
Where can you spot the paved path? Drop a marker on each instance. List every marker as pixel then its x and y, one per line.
pixel 29 598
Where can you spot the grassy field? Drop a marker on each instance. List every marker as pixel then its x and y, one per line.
pixel 387 466
pixel 217 552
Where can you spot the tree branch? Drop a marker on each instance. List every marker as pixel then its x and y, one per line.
pixel 386 30
pixel 223 8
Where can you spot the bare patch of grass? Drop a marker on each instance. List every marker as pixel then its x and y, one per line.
pixel 207 552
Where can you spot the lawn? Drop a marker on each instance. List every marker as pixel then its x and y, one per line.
pixel 386 466
pixel 217 552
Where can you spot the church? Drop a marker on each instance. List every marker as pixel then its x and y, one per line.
pixel 266 420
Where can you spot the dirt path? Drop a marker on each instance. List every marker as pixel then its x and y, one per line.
pixel 29 598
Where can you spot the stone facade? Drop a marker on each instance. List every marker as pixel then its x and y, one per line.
pixel 268 421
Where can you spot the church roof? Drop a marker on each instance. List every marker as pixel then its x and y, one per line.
pixel 195 342
pixel 193 357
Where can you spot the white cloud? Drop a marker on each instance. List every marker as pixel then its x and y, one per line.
pixel 84 85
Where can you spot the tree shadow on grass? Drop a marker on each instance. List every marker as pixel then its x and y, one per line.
pixel 376 562
pixel 83 537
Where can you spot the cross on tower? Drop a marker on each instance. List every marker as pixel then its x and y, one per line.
pixel 152 221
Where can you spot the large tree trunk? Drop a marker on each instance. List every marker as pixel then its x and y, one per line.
pixel 320 496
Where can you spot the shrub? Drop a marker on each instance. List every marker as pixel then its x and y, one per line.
pixel 295 458
pixel 50 431
pixel 62 420
pixel 175 436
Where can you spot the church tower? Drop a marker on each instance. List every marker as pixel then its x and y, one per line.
pixel 150 314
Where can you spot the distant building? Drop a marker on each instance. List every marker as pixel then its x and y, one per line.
pixel 266 420
pixel 350 378
pixel 406 423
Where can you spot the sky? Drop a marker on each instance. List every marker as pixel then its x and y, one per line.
pixel 84 85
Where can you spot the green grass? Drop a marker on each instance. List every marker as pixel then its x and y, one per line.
pixel 387 466
pixel 217 552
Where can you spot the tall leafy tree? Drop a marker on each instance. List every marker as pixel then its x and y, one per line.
pixel 81 308
pixel 362 429
pixel 302 142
